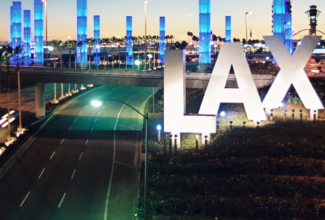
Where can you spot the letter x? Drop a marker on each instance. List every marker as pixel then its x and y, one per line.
pixel 292 72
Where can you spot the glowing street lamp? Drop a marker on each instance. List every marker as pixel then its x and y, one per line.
pixel 96 103
pixel 159 130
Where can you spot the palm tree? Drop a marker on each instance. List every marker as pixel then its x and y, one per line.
pixel 214 39
pixel 126 53
pixel 105 41
pixel 79 44
pixel 155 38
pixel 167 38
pixel 189 35
pixel 139 38
pixel 171 38
pixel 119 42
pixel 113 40
pixel 71 44
pixel 61 45
pixel 55 46
pixel 134 39
pixel 89 42
pixel 97 43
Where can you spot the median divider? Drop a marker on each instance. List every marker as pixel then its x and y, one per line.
pixel 29 142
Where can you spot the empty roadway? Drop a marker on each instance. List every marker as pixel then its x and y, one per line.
pixel 82 164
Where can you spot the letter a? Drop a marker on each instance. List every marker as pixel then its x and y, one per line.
pixel 292 72
pixel 216 93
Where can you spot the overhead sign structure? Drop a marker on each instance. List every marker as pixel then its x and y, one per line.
pixel 231 54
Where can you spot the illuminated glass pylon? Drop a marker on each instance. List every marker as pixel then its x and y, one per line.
pixel 82 49
pixel 27 38
pixel 129 41
pixel 288 27
pixel 279 19
pixel 162 40
pixel 96 49
pixel 228 29
pixel 38 32
pixel 15 20
pixel 205 34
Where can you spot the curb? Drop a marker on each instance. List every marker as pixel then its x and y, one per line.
pixel 29 142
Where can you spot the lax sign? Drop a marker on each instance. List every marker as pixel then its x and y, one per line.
pixel 291 73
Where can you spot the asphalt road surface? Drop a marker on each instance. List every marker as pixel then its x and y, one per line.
pixel 82 164
pixel 27 103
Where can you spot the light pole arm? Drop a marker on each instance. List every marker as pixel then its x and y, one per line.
pixel 115 100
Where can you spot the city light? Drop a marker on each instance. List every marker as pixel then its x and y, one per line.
pixel 158 127
pixel 137 62
pixel 96 103
pixel 223 114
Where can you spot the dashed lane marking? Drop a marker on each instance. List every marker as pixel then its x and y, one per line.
pixel 52 155
pixel 81 155
pixel 39 177
pixel 62 200
pixel 22 203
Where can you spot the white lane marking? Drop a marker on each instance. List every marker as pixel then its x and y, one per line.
pixel 92 129
pixel 48 95
pixel 30 103
pixel 22 203
pixel 96 120
pixel 113 162
pixel 86 106
pixel 73 173
pixel 62 140
pixel 123 164
pixel 98 113
pixel 81 155
pixel 39 177
pixel 87 142
pixel 62 200
pixel 70 128
pixel 52 155
pixel 75 119
pixel 80 112
pixel 103 107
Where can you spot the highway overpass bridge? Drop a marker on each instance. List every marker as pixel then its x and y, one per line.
pixel 41 75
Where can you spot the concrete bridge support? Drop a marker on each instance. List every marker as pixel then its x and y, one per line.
pixel 39 100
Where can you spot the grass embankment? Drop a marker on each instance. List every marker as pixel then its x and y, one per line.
pixel 273 172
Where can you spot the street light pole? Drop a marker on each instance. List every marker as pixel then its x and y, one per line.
pixel 146 117
pixel 145 172
pixel 145 32
pixel 246 20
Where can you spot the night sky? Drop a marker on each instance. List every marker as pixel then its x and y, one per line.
pixel 181 16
